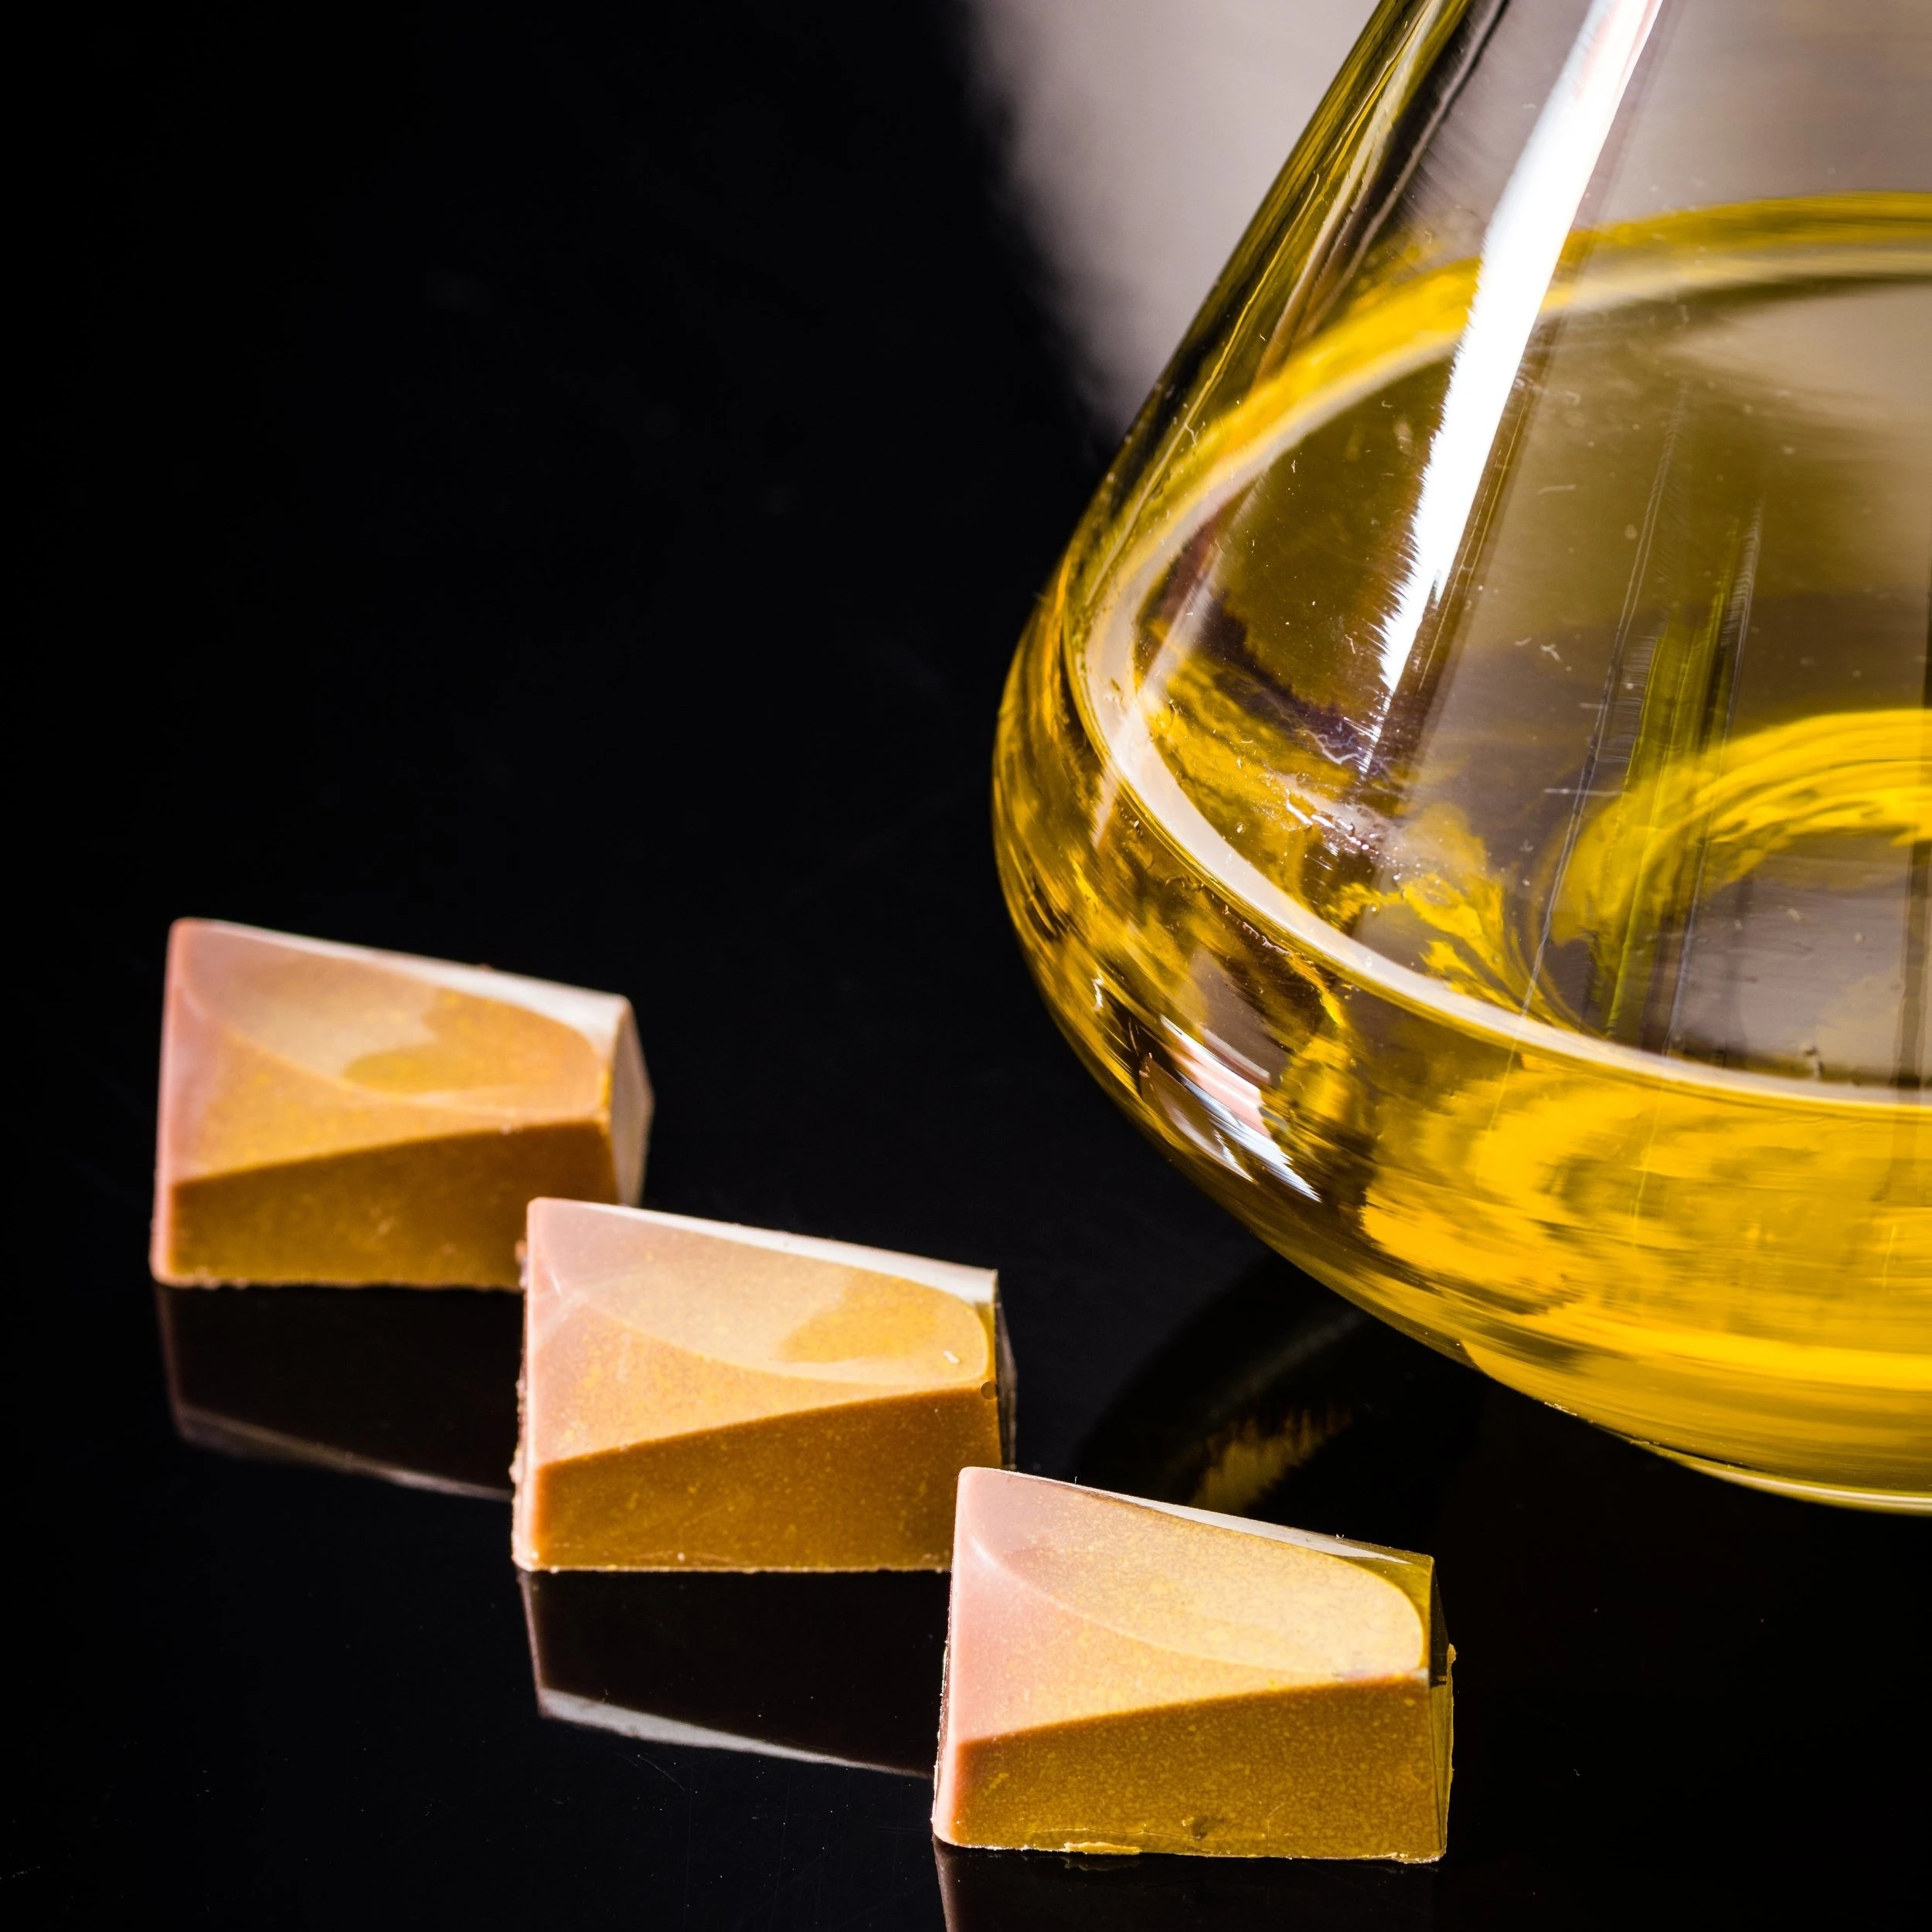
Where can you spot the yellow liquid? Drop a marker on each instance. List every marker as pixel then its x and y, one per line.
pixel 1540 951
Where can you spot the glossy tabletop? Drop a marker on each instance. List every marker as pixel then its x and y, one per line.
pixel 559 488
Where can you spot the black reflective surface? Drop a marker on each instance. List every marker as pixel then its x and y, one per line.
pixel 421 1388
pixel 558 488
pixel 843 1669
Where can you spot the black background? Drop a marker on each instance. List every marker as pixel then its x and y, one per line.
pixel 560 487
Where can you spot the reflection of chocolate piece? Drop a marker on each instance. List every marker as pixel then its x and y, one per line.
pixel 419 1388
pixel 1282 1399
pixel 1123 1676
pixel 333 1114
pixel 843 1668
pixel 1046 1891
pixel 704 1396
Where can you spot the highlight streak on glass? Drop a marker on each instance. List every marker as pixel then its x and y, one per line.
pixel 1525 238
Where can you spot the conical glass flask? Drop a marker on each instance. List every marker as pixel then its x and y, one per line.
pixel 1468 789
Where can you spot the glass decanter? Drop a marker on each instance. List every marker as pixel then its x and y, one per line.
pixel 1468 789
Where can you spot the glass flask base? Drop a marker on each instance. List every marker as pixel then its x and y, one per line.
pixel 1897 1502
pixel 1538 1004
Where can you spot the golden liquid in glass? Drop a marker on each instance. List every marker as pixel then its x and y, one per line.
pixel 1533 935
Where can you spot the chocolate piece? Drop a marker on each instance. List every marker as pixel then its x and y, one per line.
pixel 334 1115
pixel 991 1892
pixel 1125 1676
pixel 840 1669
pixel 415 1389
pixel 699 1395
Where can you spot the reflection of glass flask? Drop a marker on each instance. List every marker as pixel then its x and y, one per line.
pixel 1469 788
